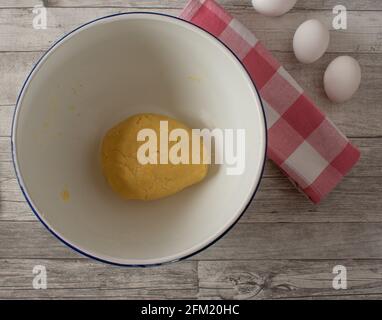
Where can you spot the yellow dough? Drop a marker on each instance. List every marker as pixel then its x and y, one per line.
pixel 133 180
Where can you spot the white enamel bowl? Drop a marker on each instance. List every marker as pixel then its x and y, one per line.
pixel 100 74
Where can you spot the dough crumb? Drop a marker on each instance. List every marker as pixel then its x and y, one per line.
pixel 65 195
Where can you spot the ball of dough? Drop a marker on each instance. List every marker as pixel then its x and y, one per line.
pixel 130 178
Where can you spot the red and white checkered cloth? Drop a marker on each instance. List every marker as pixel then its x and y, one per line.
pixel 303 142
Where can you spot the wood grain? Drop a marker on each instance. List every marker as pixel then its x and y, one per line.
pixel 270 279
pixel 232 279
pixel 283 247
pixel 30 240
pixel 299 241
pixel 85 279
pixel 5 149
pixel 363 26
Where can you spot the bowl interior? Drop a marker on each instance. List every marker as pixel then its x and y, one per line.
pixel 96 77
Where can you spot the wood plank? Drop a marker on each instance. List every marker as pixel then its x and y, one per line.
pixel 310 4
pixel 20 245
pixel 15 210
pixel 363 34
pixel 298 241
pixel 85 279
pixel 251 241
pixel 5 149
pixel 15 68
pixel 359 117
pixel 255 279
pixel 6 116
pixel 270 279
pixel 351 201
pixel 19 35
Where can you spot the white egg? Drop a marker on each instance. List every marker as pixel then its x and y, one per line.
pixel 342 78
pixel 310 41
pixel 273 8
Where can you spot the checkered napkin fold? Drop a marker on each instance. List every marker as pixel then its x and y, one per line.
pixel 302 141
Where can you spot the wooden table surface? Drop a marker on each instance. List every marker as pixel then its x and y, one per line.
pixel 283 247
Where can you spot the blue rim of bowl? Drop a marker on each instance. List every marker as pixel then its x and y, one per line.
pixel 14 160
